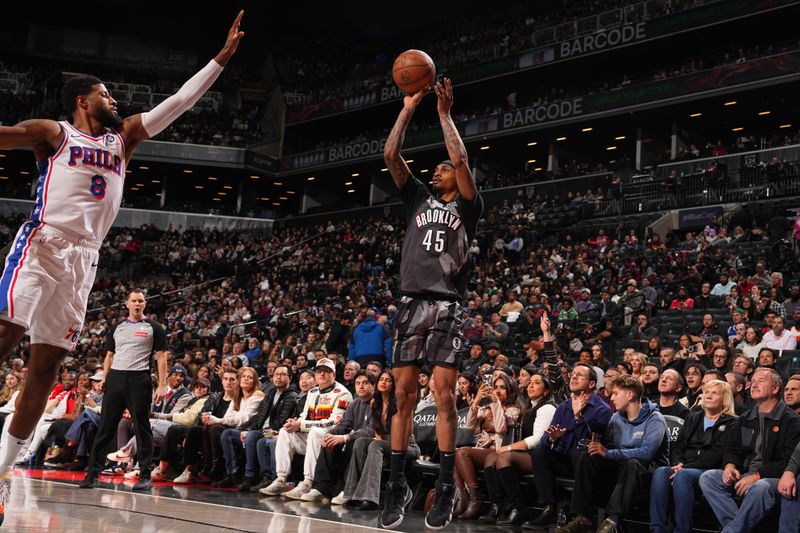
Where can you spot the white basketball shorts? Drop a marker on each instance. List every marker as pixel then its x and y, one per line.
pixel 46 283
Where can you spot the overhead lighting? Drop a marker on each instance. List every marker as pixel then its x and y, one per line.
pixel 619 138
pixel 311 178
pixel 129 172
pixel 355 174
pixel 222 193
pixel 282 198
pixel 762 113
pixel 134 188
pixel 187 171
pixel 2 168
pixel 532 143
pixel 737 129
pixel 155 181
pixel 351 190
pixel 611 147
pixel 484 147
pixel 537 169
pixel 199 187
pixel 423 171
pixel 695 115
pixel 348 182
pixel 227 186
pixel 264 199
pixel 585 130
pixel 277 183
pixel 782 126
pixel 291 192
pixel 530 161
pixel 158 194
pixel 561 138
pixel 143 167
pixel 409 160
pixel 384 169
pixel 140 184
pixel 24 172
pixel 276 203
pixel 2 156
pixel 3 177
pixel 217 199
pixel 732 102
pixel 254 177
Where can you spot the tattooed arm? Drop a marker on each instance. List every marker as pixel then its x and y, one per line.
pixel 455 146
pixel 391 150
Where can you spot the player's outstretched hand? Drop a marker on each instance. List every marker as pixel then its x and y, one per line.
pixel 411 102
pixel 444 91
pixel 232 42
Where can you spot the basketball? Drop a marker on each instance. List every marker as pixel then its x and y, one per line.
pixel 413 70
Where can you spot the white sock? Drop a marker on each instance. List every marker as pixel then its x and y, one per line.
pixel 10 447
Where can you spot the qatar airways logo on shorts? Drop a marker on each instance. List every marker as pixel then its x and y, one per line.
pixel 438 216
pixel 95 157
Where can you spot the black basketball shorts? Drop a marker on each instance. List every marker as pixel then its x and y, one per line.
pixel 428 332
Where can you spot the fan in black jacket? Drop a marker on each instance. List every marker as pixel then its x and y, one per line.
pixel 279 405
pixel 698 448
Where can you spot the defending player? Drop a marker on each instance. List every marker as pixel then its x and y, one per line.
pixel 51 267
pixel 433 278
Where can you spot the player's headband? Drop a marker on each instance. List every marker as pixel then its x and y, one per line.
pixel 448 163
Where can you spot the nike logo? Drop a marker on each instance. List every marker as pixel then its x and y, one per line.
pixel 73 136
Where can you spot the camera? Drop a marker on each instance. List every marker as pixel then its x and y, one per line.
pixel 691 348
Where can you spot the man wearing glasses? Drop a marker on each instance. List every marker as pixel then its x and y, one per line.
pixel 577 421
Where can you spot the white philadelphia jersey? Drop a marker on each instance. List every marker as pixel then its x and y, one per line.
pixel 79 190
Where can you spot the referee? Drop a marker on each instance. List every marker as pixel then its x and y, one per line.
pixel 127 382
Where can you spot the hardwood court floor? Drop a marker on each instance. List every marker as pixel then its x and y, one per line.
pixel 50 501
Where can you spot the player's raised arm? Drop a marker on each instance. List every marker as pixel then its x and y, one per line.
pixel 391 150
pixel 455 146
pixel 36 133
pixel 137 128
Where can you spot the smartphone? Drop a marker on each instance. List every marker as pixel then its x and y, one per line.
pixel 487 379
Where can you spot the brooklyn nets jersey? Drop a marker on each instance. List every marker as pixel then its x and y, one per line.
pixel 435 261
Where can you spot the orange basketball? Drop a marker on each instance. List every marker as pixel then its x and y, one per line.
pixel 413 70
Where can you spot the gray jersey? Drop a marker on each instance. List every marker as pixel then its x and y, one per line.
pixel 435 261
pixel 134 343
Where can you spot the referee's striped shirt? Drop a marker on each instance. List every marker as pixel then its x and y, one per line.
pixel 134 343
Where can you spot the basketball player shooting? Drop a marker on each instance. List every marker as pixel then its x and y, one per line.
pixel 51 267
pixel 433 278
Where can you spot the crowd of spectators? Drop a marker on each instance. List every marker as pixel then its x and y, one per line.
pixel 224 126
pixel 543 94
pixel 558 338
pixel 313 73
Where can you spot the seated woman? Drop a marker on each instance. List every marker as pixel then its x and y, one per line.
pixel 240 412
pixel 487 416
pixel 362 486
pixel 230 405
pixel 502 469
pixel 466 389
pixel 698 448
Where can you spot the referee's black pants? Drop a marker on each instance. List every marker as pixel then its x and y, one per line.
pixel 131 390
